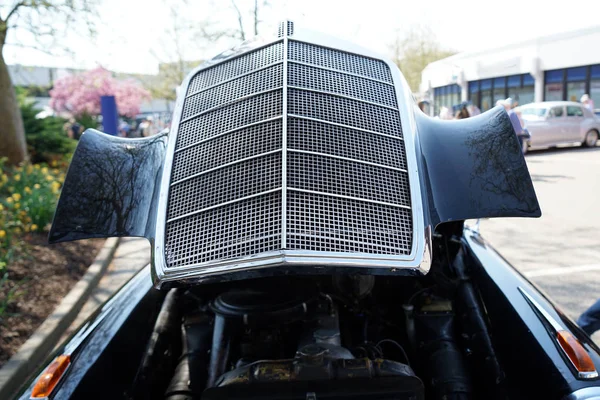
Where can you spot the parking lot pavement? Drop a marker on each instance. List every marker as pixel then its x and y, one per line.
pixel 131 256
pixel 560 252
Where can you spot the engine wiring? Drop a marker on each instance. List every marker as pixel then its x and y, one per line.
pixel 391 341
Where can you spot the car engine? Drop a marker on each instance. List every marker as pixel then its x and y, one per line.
pixel 323 337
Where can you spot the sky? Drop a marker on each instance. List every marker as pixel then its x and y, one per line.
pixel 134 35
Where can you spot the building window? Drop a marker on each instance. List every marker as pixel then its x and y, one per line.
pixel 474 92
pixel 486 94
pixel 576 78
pixel 526 93
pixel 499 90
pixel 554 85
pixel 595 85
pixel 446 96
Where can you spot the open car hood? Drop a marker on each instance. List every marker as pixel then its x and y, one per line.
pixel 298 153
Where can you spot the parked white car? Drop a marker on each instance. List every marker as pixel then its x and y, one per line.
pixel 553 123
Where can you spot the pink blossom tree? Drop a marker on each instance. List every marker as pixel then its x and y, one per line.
pixel 80 94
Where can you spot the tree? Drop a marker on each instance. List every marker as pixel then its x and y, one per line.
pixel 80 94
pixel 39 19
pixel 413 52
pixel 186 39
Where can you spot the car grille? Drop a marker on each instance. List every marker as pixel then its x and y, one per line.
pixel 315 163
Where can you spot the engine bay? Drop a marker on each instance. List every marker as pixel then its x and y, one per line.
pixel 323 337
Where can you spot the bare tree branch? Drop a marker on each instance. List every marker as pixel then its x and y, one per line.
pixel 14 9
pixel 255 17
pixel 240 20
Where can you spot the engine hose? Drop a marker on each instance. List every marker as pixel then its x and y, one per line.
pixel 191 373
pixel 448 375
pixel 475 328
pixel 155 365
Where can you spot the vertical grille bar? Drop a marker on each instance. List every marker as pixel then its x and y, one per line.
pixel 284 147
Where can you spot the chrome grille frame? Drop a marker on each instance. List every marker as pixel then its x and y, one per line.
pixel 418 261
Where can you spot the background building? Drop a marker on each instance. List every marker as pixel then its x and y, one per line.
pixel 557 67
pixel 39 80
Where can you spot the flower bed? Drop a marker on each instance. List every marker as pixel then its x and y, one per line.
pixel 34 276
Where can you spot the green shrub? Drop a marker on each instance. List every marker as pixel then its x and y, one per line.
pixel 46 138
pixel 28 197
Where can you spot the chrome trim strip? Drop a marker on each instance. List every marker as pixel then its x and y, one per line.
pixel 338 71
pixel 223 204
pixel 234 78
pixel 344 126
pixel 556 326
pixel 248 96
pixel 284 145
pixel 224 166
pixel 227 133
pixel 350 198
pixel 316 153
pixel 588 393
pixel 343 96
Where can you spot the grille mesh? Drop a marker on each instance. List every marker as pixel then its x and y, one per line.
pixel 323 223
pixel 347 185
pixel 236 67
pixel 344 111
pixel 234 230
pixel 316 136
pixel 233 116
pixel 237 145
pixel 347 178
pixel 344 84
pixel 339 60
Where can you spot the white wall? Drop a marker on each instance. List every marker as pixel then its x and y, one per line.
pixel 563 50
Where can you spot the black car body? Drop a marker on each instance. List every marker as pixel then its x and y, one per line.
pixel 307 224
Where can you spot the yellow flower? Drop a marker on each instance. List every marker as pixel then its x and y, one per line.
pixel 36 186
pixel 9 200
pixel 44 170
pixel 36 166
pixel 4 178
pixel 17 177
pixel 55 171
pixel 54 163
pixel 34 227
pixel 16 196
pixel 22 213
pixel 49 178
pixel 27 190
pixel 2 233
pixel 17 230
pixel 29 169
pixel 1 207
pixel 17 206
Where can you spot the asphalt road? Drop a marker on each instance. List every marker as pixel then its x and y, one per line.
pixel 560 252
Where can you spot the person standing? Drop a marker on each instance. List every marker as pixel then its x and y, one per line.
pixel 589 321
pixel 463 112
pixel 75 129
pixel 587 102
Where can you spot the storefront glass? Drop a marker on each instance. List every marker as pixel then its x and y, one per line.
pixel 474 92
pixel 486 94
pixel 499 90
pixel 595 85
pixel 553 89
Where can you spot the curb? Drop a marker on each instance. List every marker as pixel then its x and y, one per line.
pixel 27 360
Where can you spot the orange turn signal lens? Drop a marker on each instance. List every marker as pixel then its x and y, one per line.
pixel 48 380
pixel 575 352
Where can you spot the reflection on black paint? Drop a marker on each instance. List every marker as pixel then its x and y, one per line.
pixel 473 168
pixel 111 188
